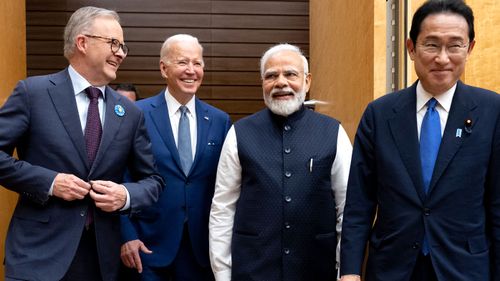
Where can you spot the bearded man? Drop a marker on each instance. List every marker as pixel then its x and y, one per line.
pixel 281 182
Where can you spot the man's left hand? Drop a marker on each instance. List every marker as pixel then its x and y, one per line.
pixel 107 195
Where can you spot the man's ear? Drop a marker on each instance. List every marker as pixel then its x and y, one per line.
pixel 163 69
pixel 81 43
pixel 308 81
pixel 411 48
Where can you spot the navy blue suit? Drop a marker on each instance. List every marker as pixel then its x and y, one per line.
pixel 40 119
pixel 161 226
pixel 461 212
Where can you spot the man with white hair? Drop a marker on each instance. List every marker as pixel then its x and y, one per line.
pixel 281 182
pixel 169 240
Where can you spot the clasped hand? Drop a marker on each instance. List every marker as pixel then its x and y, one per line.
pixel 107 195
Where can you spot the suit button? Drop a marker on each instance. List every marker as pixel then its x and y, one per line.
pixel 286 251
pixel 427 211
pixel 287 225
pixel 82 213
pixel 288 150
pixel 416 245
pixel 288 199
pixel 287 128
pixel 288 174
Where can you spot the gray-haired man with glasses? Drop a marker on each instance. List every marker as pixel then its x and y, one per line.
pixel 75 137
pixel 426 164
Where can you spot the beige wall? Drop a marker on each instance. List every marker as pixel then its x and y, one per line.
pixel 347 56
pixel 12 68
pixel 483 67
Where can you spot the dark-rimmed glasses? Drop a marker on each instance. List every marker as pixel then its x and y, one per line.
pixel 115 44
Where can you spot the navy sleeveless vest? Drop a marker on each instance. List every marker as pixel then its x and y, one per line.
pixel 284 225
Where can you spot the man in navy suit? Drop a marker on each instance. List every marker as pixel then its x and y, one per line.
pixel 75 137
pixel 426 163
pixel 173 233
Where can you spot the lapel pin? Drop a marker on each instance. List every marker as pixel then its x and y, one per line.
pixel 119 110
pixel 206 118
pixel 459 133
pixel 468 126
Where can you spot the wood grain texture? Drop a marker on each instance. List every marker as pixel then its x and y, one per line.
pixel 234 35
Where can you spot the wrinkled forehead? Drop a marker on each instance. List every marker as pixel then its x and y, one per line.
pixel 284 61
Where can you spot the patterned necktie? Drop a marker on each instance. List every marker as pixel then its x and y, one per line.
pixel 430 139
pixel 93 129
pixel 184 141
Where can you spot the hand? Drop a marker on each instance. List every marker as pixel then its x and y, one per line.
pixel 70 187
pixel 130 254
pixel 350 277
pixel 107 195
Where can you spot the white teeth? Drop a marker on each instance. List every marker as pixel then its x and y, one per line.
pixel 188 81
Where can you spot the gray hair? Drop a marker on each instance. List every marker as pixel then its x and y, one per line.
pixel 165 48
pixel 79 22
pixel 280 48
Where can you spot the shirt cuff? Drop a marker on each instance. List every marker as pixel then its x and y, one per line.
pixel 127 201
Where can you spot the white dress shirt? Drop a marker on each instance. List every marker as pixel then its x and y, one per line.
pixel 174 115
pixel 82 103
pixel 227 192
pixel 443 105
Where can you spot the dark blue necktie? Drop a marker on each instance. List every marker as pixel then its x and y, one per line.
pixel 430 139
pixel 184 141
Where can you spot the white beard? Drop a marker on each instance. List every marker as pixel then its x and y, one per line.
pixel 285 107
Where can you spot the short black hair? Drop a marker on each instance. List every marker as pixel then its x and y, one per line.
pixel 128 87
pixel 441 6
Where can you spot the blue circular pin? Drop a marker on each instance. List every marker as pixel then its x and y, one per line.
pixel 119 110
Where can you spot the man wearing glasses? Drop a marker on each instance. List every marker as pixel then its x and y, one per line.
pixel 75 137
pixel 426 161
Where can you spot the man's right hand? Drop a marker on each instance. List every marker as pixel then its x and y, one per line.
pixel 350 277
pixel 70 187
pixel 130 254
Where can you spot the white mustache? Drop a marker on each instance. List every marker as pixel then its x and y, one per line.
pixel 285 91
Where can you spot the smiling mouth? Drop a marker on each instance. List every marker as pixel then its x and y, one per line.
pixel 189 81
pixel 113 63
pixel 282 94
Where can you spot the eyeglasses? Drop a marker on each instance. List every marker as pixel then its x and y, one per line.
pixel 115 44
pixel 433 48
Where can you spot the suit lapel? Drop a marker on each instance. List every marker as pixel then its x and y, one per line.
pixel 203 122
pixel 461 109
pixel 63 98
pixel 403 126
pixel 112 123
pixel 159 114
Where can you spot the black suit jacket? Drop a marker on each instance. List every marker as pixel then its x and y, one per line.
pixel 461 213
pixel 40 119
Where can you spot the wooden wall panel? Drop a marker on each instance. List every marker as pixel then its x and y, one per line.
pixel 483 66
pixel 12 69
pixel 234 35
pixel 342 58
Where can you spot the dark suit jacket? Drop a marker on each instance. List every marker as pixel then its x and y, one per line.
pixel 461 212
pixel 160 227
pixel 40 119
